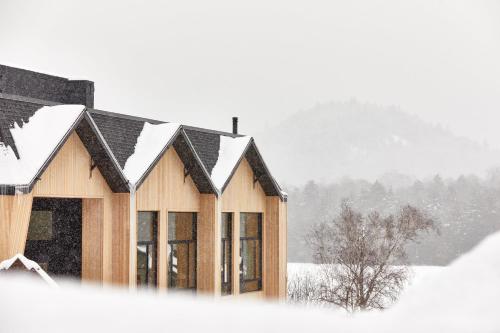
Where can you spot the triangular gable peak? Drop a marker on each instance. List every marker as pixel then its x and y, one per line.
pixel 147 154
pixel 222 154
pixel 140 143
pixel 39 136
pixel 249 152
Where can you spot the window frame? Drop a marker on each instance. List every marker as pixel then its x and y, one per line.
pixel 258 238
pixel 194 239
pixel 154 243
pixel 227 287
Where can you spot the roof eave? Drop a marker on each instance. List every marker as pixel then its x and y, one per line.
pixel 276 186
pixel 107 149
pixel 199 161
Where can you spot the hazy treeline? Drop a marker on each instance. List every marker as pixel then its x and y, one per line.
pixel 466 209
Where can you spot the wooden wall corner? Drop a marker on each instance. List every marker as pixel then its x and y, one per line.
pixel 208 272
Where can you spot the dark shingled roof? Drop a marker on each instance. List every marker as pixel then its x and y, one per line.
pixel 19 111
pixel 207 144
pixel 122 131
pixel 14 112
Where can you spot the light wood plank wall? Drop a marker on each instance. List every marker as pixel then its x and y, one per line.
pixel 69 176
pixel 242 196
pixel 164 190
pixel 15 213
pixel 209 246
pixel 92 239
pixel 5 212
pixel 121 238
pixel 276 255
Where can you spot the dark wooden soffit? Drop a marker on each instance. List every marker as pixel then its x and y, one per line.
pixel 101 155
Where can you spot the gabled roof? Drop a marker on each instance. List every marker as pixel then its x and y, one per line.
pixel 32 134
pixel 222 152
pixel 139 143
pixel 21 262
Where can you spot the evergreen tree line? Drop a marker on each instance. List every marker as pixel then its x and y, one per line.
pixel 466 210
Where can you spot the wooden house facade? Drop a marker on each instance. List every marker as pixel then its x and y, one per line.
pixel 113 199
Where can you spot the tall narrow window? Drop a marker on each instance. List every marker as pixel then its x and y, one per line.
pixel 147 239
pixel 226 253
pixel 182 250
pixel 250 252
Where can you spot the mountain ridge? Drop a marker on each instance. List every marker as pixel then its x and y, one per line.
pixel 363 140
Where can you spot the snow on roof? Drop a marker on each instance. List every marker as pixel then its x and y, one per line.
pixel 35 142
pixel 150 143
pixel 230 152
pixel 30 265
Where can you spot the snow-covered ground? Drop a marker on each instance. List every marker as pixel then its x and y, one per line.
pixel 460 298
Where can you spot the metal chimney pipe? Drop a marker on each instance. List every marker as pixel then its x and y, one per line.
pixel 235 125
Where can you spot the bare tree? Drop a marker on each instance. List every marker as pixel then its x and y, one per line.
pixel 302 289
pixel 363 259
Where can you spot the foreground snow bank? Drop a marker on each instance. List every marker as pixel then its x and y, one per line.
pixel 462 298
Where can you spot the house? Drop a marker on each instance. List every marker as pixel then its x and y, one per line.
pixel 116 199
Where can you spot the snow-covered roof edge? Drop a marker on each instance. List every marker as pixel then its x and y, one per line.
pixel 50 157
pixel 235 167
pixel 29 265
pixel 84 114
pixel 251 143
pixel 135 185
pixel 179 131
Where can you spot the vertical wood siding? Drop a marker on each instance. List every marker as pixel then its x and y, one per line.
pixel 209 235
pixel 92 239
pixel 121 238
pixel 164 190
pixel 69 176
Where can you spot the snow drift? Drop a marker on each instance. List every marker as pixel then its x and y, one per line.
pixel 461 298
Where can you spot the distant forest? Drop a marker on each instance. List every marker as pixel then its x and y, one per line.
pixel 466 209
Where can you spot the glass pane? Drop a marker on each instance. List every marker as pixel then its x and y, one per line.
pixel 152 265
pixel 226 225
pixel 251 286
pixel 182 250
pixel 146 265
pixel 226 254
pixel 248 254
pixel 142 266
pixel 181 226
pixel 249 224
pixel 147 248
pixel 182 265
pixel 40 227
pixel 251 251
pixel 145 226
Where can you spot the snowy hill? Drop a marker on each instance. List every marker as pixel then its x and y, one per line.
pixel 460 298
pixel 366 141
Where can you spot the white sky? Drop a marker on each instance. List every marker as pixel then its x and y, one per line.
pixel 201 62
